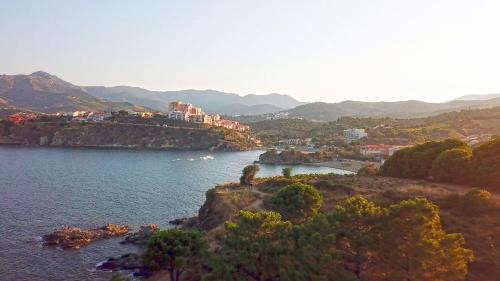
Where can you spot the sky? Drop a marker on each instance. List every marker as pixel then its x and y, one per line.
pixel 371 50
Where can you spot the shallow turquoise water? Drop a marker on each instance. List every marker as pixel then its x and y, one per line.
pixel 44 188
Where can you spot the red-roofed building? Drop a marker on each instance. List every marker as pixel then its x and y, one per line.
pixel 22 117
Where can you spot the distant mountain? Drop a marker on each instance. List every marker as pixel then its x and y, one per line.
pixel 479 97
pixel 211 101
pixel 241 109
pixel 41 91
pixel 320 111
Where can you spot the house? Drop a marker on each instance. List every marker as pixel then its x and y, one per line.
pixel 290 141
pixel 147 114
pixel 380 149
pixel 201 119
pixel 98 116
pixel 354 134
pixel 179 115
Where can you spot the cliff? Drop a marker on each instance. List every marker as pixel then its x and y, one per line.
pixel 122 136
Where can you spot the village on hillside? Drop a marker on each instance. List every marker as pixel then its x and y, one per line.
pixel 183 113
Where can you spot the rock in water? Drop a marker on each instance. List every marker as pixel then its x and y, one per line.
pixel 179 222
pixel 125 262
pixel 74 237
pixel 142 236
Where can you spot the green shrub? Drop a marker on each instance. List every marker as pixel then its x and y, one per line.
pixel 297 202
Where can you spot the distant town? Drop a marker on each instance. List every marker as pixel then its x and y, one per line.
pixel 178 111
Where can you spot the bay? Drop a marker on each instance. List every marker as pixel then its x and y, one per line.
pixel 44 188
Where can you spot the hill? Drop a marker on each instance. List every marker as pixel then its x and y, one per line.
pixel 211 101
pixel 457 212
pixel 320 111
pixel 479 97
pixel 387 130
pixel 41 91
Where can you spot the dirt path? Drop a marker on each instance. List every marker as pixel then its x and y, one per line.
pixel 257 204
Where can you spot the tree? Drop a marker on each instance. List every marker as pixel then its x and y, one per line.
pixel 414 246
pixel 287 172
pixel 253 247
pixel 368 169
pixel 249 173
pixel 417 161
pixel 452 165
pixel 356 219
pixel 297 202
pixel 313 255
pixel 486 164
pixel 176 251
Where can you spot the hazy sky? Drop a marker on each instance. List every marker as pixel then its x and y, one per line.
pixel 313 50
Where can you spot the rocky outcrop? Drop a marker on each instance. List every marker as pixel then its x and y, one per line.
pixel 120 135
pixel 291 157
pixel 142 236
pixel 75 238
pixel 179 222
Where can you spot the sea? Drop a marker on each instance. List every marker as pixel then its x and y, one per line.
pixel 42 189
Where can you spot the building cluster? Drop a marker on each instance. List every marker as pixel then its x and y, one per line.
pixel 380 149
pixel 296 141
pixel 82 116
pixel 22 117
pixel 353 134
pixel 178 110
pixel 475 139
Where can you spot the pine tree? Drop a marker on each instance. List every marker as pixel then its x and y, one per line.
pixel 176 251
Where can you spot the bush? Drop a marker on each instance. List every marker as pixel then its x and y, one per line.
pixel 486 165
pixel 452 165
pixel 287 172
pixel 297 202
pixel 368 169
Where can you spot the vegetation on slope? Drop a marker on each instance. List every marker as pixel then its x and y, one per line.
pixel 394 131
pixel 367 228
pixel 448 161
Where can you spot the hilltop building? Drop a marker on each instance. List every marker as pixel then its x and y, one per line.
pixel 187 112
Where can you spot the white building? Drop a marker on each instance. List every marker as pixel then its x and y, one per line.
pixel 179 115
pixel 354 134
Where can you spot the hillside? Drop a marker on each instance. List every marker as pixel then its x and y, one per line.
pixel 479 226
pixel 320 111
pixel 41 91
pixel 211 101
pixel 393 130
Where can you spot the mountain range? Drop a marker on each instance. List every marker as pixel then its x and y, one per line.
pixel 320 111
pixel 41 91
pixel 211 101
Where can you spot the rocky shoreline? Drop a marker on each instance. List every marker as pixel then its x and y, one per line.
pixel 75 238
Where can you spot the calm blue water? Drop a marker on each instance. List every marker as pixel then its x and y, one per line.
pixel 44 188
